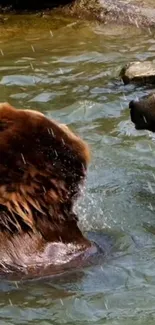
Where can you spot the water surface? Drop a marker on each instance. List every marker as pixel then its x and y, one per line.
pixel 69 70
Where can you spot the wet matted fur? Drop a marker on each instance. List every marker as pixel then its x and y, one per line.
pixel 42 164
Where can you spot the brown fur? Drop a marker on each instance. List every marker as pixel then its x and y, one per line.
pixel 142 113
pixel 42 164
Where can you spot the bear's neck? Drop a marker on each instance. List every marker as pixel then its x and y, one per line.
pixel 57 228
pixel 65 232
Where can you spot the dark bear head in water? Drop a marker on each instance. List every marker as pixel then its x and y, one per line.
pixel 42 164
pixel 142 113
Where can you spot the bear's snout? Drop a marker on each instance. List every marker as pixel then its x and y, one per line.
pixel 138 116
pixel 131 104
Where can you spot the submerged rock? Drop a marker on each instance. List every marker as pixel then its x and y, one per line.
pixel 139 72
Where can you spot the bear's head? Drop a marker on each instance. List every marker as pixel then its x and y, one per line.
pixel 142 112
pixel 42 164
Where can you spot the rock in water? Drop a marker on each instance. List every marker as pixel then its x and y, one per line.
pixel 139 72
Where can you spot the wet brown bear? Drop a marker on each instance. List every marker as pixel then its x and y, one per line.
pixel 42 164
pixel 142 112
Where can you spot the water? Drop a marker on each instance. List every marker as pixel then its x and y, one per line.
pixel 69 70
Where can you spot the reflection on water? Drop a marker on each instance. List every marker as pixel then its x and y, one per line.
pixel 69 70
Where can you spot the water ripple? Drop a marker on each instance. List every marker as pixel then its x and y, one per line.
pixel 70 71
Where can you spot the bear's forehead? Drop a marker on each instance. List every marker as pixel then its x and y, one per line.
pixel 9 112
pixel 29 116
pixel 6 110
pixel 24 125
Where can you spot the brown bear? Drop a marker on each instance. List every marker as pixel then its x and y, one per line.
pixel 142 112
pixel 42 165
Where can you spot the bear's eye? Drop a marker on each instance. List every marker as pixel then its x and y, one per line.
pixel 3 126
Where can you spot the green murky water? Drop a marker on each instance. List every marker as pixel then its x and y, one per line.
pixel 68 70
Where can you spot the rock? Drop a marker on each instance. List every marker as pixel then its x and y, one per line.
pixel 140 13
pixel 131 12
pixel 139 72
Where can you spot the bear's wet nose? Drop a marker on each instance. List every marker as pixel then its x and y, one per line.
pixel 131 104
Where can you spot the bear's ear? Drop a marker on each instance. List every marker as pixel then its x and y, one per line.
pixel 142 113
pixel 6 107
pixel 7 116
